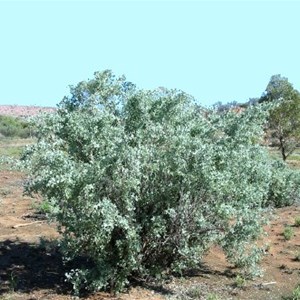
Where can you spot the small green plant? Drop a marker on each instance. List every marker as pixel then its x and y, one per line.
pixel 297 221
pixel 45 207
pixel 212 296
pixel 240 281
pixel 297 256
pixel 288 233
pixel 13 281
pixel 295 294
pixel 194 292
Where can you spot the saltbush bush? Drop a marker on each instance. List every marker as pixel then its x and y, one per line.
pixel 144 182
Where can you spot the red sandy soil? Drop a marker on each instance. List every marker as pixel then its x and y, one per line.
pixel 23 111
pixel 32 270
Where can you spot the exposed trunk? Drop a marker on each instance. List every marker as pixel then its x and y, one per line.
pixel 282 148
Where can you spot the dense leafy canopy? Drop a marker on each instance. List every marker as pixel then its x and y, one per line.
pixel 143 183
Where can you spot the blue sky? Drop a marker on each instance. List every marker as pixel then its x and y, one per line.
pixel 214 50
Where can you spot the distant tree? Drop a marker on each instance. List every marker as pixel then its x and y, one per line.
pixel 252 101
pixel 284 120
pixel 222 108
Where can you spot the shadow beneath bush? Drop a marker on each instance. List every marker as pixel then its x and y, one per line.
pixel 26 267
pixel 203 270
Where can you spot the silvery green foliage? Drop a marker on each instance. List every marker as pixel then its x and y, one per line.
pixel 284 186
pixel 145 182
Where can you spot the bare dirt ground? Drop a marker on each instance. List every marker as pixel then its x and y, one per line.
pixel 31 267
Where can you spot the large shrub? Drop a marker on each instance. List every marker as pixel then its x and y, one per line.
pixel 145 182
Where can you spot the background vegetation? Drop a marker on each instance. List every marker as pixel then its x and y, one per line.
pixel 15 127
